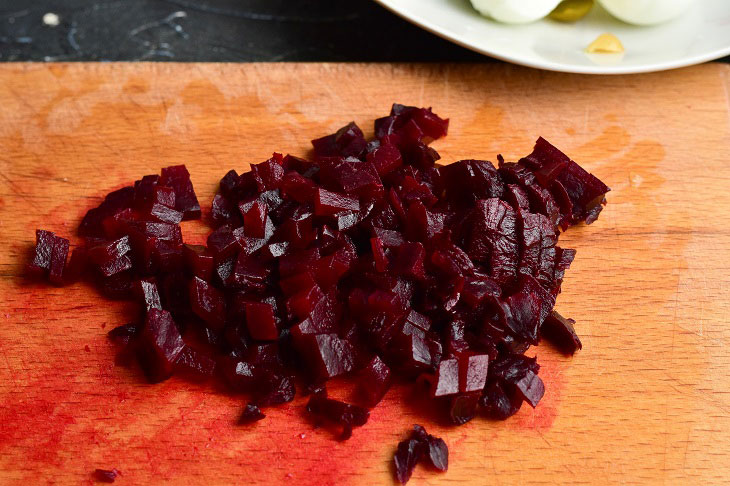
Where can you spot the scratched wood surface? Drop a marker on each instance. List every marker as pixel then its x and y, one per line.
pixel 646 401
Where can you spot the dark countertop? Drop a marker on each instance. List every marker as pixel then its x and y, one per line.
pixel 216 30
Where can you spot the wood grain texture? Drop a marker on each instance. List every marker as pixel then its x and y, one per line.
pixel 646 401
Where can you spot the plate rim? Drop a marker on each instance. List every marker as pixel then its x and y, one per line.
pixel 426 24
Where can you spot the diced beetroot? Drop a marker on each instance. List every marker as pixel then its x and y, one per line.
pixel 298 188
pixel 194 364
pixel 178 178
pixel 530 388
pixel 301 304
pixel 446 381
pixel 326 355
pixel 493 238
pixel 406 458
pixel 327 203
pixel 472 372
pixel 347 141
pixel 297 283
pixel 254 218
pixel 105 475
pixel 261 321
pixel 251 413
pixel 239 375
pixel 269 173
pixel 373 381
pixel 58 260
pixel 371 258
pixel 199 261
pixel 208 303
pixel 463 408
pixel 115 201
pixel 409 260
pixel 223 244
pixel 148 294
pixel 160 344
pixel 229 182
pixel 561 333
pixel 385 158
pixel 347 415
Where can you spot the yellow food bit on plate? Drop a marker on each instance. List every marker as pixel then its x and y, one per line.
pixel 571 10
pixel 605 43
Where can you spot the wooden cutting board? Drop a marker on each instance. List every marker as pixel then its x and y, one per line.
pixel 646 401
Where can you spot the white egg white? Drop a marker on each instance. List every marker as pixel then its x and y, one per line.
pixel 646 12
pixel 515 11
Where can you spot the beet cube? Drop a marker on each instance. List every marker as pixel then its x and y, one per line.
pixel 498 402
pixel 198 261
pixel 254 218
pixel 347 141
pixel 327 203
pixel 326 355
pixel 446 381
pixel 472 372
pixel 261 322
pixel 296 187
pixel 373 381
pixel 178 178
pixel 208 303
pixel 251 413
pixel 409 260
pixel 561 333
pixel 385 158
pixel 530 388
pixel 58 260
pixel 223 244
pixel 160 344
pixel 406 458
pixel 463 408
pixel 148 294
pixel 301 304
pixel 194 364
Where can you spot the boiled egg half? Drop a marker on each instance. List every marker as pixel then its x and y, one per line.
pixel 515 11
pixel 646 12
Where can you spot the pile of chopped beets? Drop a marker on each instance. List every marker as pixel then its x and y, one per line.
pixel 368 260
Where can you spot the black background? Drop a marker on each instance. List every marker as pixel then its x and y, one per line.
pixel 216 30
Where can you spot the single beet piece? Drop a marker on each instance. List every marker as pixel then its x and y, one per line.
pixel 251 413
pixel 500 401
pixel 407 456
pixel 105 475
pixel 463 407
pixel 347 141
pixel 178 178
pixel 198 261
pixel 148 294
pixel 473 370
pixel 194 364
pixel 326 355
pixel 373 381
pixel 335 411
pixel 531 388
pixel 208 303
pixel 261 322
pixel 446 381
pixel 159 345
pixel 560 332
pixel 327 203
pixel 40 263
pixel 275 389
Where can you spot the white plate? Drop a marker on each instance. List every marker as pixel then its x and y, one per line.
pixel 702 34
